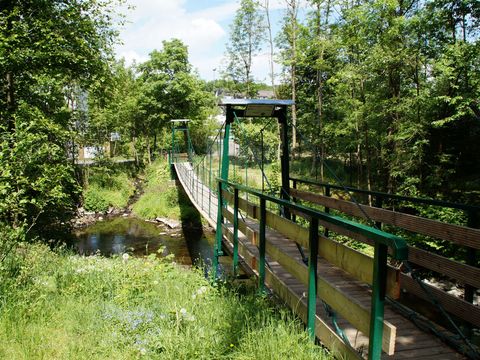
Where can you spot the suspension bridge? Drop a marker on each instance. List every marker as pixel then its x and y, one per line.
pixel 353 303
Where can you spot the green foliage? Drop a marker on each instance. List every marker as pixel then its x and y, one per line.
pixel 390 89
pixel 51 53
pixel 160 197
pixel 61 306
pixel 107 186
pixel 250 141
pixel 246 37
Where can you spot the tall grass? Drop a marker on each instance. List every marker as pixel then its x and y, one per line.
pixel 62 306
pixel 161 198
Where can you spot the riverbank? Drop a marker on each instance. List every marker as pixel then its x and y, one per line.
pixel 149 195
pixel 56 305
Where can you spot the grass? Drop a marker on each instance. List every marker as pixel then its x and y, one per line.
pixel 161 198
pixel 56 305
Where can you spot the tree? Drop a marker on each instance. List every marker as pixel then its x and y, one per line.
pixel 246 37
pixel 288 43
pixel 46 47
pixel 170 90
pixel 266 7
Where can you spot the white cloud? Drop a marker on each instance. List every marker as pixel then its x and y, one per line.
pixel 151 22
pixel 204 31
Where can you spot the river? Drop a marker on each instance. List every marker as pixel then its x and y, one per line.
pixel 138 237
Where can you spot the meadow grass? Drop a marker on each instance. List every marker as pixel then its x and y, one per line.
pixel 55 305
pixel 161 197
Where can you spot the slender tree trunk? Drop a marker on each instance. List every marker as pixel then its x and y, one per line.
pixel 270 44
pixel 293 11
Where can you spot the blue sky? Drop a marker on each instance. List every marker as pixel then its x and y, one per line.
pixel 202 25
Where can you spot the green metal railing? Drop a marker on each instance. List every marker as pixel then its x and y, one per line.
pixel 471 212
pixel 382 240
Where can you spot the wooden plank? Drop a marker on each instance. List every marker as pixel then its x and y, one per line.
pixel 463 273
pixel 324 333
pixel 460 235
pixel 452 304
pixel 359 265
pixel 348 308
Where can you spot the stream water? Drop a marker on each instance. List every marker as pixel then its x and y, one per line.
pixel 137 237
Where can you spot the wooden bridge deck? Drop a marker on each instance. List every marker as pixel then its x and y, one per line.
pixel 410 341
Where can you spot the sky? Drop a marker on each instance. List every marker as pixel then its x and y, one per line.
pixel 203 25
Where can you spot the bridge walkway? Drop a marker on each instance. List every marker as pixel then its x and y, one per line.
pixel 286 275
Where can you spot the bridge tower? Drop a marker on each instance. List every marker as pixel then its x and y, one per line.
pixel 175 154
pixel 236 109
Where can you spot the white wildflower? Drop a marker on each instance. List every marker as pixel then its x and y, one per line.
pixel 202 290
pixel 125 257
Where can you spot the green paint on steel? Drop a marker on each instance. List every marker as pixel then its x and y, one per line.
pixel 224 176
pixel 218 236
pixel 382 240
pixel 235 231
pixel 396 243
pixel 261 247
pixel 312 277
pixel 378 301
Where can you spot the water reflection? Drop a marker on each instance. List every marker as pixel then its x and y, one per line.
pixel 119 235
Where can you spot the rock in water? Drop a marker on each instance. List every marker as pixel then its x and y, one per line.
pixel 172 224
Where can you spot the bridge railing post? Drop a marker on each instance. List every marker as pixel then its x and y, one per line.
pixel 471 254
pixel 312 277
pixel 261 248
pixel 235 231
pixel 379 285
pixel 217 251
pixel 210 185
pixel 378 204
pixel 327 209
pixel 294 199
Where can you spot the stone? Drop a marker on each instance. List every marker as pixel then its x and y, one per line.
pixel 172 224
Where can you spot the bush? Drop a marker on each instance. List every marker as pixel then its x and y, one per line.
pixel 94 199
pixel 100 194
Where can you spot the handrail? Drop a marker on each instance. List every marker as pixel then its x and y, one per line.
pixel 381 239
pixel 424 201
pixel 396 243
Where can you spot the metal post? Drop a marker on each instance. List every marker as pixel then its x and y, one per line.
pixel 235 231
pixel 173 152
pixel 327 210
pixel 312 277
pixel 378 204
pixel 294 217
pixel 246 174
pixel 217 251
pixel 471 258
pixel 223 176
pixel 261 248
pixel 378 301
pixel 261 165
pixel 201 181
pixel 284 159
pixel 210 185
